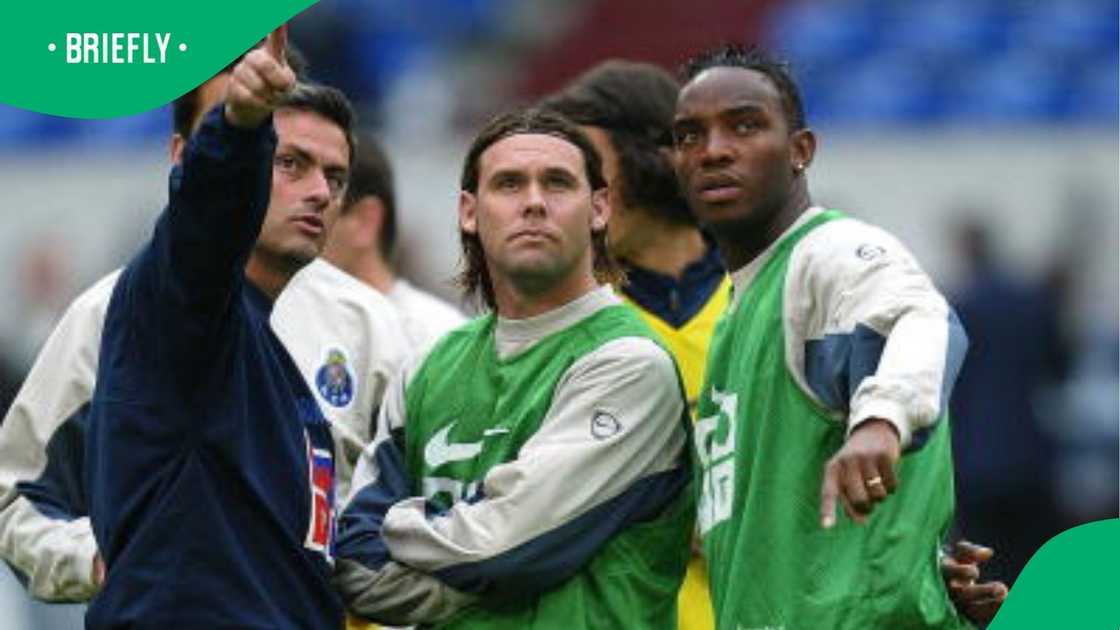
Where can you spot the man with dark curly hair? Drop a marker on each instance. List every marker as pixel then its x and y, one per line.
pixel 826 381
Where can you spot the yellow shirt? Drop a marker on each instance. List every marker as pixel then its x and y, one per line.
pixel 689 343
pixel 689 346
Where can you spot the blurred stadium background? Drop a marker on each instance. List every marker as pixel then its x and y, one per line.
pixel 982 132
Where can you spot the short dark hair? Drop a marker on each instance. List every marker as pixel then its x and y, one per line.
pixel 531 120
pixel 371 175
pixel 474 277
pixel 752 57
pixel 634 104
pixel 184 110
pixel 328 102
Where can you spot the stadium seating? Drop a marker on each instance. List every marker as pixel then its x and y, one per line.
pixel 861 62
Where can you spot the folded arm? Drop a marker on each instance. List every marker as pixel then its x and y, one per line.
pixel 609 453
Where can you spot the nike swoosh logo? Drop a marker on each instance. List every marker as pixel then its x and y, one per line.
pixel 439 451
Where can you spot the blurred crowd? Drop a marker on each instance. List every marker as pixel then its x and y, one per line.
pixel 1035 407
pixel 1036 420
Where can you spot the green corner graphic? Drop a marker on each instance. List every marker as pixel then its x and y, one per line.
pixel 55 53
pixel 1073 581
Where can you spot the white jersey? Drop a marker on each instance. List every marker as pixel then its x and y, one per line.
pixel 52 548
pixel 347 340
pixel 426 318
pixel 344 336
pixel 857 304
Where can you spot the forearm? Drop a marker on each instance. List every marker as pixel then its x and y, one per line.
pixel 371 584
pixel 55 557
pixel 219 194
pixel 396 595
pixel 43 534
pixel 911 386
pixel 868 334
pixel 219 199
pixel 542 516
pixel 181 286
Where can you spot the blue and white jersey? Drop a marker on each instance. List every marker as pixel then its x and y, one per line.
pixel 45 534
pixel 348 340
pixel 209 465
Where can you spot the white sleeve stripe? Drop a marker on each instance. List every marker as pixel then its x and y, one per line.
pixel 56 555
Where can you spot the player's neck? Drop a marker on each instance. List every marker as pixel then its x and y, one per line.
pixel 665 247
pixel 523 300
pixel 270 277
pixel 739 247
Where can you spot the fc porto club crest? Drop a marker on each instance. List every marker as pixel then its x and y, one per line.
pixel 335 380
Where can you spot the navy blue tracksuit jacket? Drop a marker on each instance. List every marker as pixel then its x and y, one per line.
pixel 210 467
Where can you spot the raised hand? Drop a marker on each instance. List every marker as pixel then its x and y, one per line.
pixel 258 81
pixel 861 474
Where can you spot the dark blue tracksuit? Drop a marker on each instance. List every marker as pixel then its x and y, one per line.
pixel 210 468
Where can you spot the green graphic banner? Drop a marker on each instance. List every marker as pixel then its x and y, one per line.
pixel 1072 582
pixel 85 59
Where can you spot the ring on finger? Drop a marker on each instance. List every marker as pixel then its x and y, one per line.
pixel 874 481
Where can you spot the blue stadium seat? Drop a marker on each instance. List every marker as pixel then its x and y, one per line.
pixel 818 33
pixel 895 89
pixel 1017 88
pixel 954 61
pixel 22 128
pixel 1082 28
pixel 150 126
pixel 1095 93
pixel 942 27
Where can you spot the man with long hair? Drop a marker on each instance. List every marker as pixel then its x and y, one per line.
pixel 530 470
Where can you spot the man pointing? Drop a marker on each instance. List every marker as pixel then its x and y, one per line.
pixel 210 467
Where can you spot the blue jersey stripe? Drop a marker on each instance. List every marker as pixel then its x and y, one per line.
pixel 549 559
pixel 60 491
pixel 837 364
pixel 359 527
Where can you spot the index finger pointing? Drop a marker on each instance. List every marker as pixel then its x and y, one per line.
pixel 277 44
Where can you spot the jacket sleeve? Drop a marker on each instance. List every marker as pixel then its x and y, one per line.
pixel 179 291
pixel 609 453
pixel 372 584
pixel 45 534
pixel 868 333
